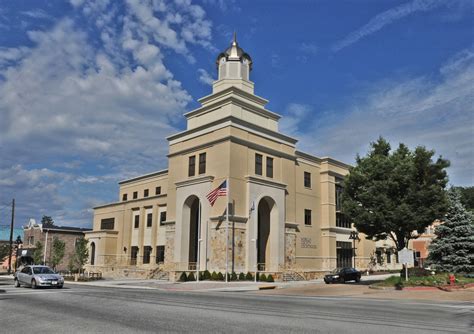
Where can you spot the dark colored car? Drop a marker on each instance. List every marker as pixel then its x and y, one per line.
pixel 342 275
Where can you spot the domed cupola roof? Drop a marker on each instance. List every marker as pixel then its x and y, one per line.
pixel 234 52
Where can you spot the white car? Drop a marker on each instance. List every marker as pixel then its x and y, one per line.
pixel 37 276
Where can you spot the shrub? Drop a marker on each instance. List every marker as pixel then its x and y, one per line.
pixel 262 278
pixel 415 272
pixel 207 275
pixel 201 276
pixel 220 276
pixel 183 277
pixel 249 276
pixel 270 278
pixel 233 276
pixel 191 276
pixel 214 276
pixel 241 277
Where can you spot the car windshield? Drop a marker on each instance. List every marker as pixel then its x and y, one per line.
pixel 42 270
pixel 335 271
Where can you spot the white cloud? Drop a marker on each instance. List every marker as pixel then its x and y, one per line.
pixel 67 102
pixel 388 17
pixel 296 113
pixel 205 77
pixel 37 13
pixel 435 110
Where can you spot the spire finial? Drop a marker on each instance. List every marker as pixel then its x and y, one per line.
pixel 234 39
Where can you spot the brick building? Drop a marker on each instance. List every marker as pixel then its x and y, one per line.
pixel 34 232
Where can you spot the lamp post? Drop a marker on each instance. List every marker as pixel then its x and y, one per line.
pixel 354 236
pixel 18 244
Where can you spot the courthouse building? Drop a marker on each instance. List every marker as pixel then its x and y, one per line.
pixel 284 213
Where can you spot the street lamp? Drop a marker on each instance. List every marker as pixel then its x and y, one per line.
pixel 18 244
pixel 354 236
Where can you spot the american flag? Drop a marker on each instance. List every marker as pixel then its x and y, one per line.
pixel 219 191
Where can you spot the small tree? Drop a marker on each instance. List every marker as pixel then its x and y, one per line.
pixel 38 253
pixel 58 249
pixel 81 253
pixel 390 195
pixel 453 248
pixel 4 251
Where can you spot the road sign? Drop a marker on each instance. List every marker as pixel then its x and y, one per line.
pixel 405 256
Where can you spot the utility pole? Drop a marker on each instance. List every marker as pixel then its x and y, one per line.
pixel 11 238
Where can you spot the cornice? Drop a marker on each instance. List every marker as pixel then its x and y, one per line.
pixel 235 140
pixel 195 180
pixel 129 201
pixel 141 177
pixel 265 182
pixel 235 90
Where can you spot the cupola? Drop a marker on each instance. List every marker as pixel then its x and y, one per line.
pixel 233 68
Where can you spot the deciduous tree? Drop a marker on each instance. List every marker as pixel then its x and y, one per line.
pixel 82 253
pixel 391 194
pixel 38 253
pixel 58 250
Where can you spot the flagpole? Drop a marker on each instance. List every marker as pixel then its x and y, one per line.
pixel 199 242
pixel 227 233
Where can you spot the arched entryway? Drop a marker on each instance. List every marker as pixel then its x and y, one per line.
pixel 191 212
pixel 92 254
pixel 267 216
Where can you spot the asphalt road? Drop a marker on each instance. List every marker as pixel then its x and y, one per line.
pixel 83 309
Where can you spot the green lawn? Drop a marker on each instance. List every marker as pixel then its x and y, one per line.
pixel 433 280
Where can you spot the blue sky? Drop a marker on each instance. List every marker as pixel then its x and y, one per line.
pixel 90 89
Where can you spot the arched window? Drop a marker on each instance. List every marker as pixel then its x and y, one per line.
pixel 92 254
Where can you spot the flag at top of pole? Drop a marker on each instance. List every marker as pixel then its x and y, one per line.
pixel 219 191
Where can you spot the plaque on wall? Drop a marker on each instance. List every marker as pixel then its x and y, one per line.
pixel 307 243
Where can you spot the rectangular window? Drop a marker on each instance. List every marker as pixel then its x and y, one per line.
pixel 338 196
pixel 389 257
pixel 202 163
pixel 31 240
pixel 149 219
pixel 135 194
pixel 342 220
pixel 160 254
pixel 133 255
pixel 146 254
pixel 124 197
pixel 137 221
pixel 162 217
pixel 192 166
pixel 146 193
pixel 307 179
pixel 269 167
pixel 107 224
pixel 258 164
pixel 307 217
pixel 157 190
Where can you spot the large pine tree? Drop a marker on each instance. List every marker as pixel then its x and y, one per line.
pixel 453 248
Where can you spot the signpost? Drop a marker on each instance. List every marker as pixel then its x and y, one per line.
pixel 405 256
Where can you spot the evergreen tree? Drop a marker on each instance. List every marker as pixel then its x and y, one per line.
pixel 4 251
pixel 47 221
pixel 453 248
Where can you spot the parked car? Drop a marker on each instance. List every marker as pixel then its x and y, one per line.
pixel 37 276
pixel 342 275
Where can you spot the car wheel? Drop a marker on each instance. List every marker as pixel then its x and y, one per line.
pixel 17 283
pixel 357 279
pixel 326 282
pixel 33 284
pixel 60 286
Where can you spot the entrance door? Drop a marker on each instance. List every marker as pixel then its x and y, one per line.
pixel 344 254
pixel 263 248
pixel 193 234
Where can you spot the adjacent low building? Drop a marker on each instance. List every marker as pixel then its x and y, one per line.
pixel 284 211
pixel 34 232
